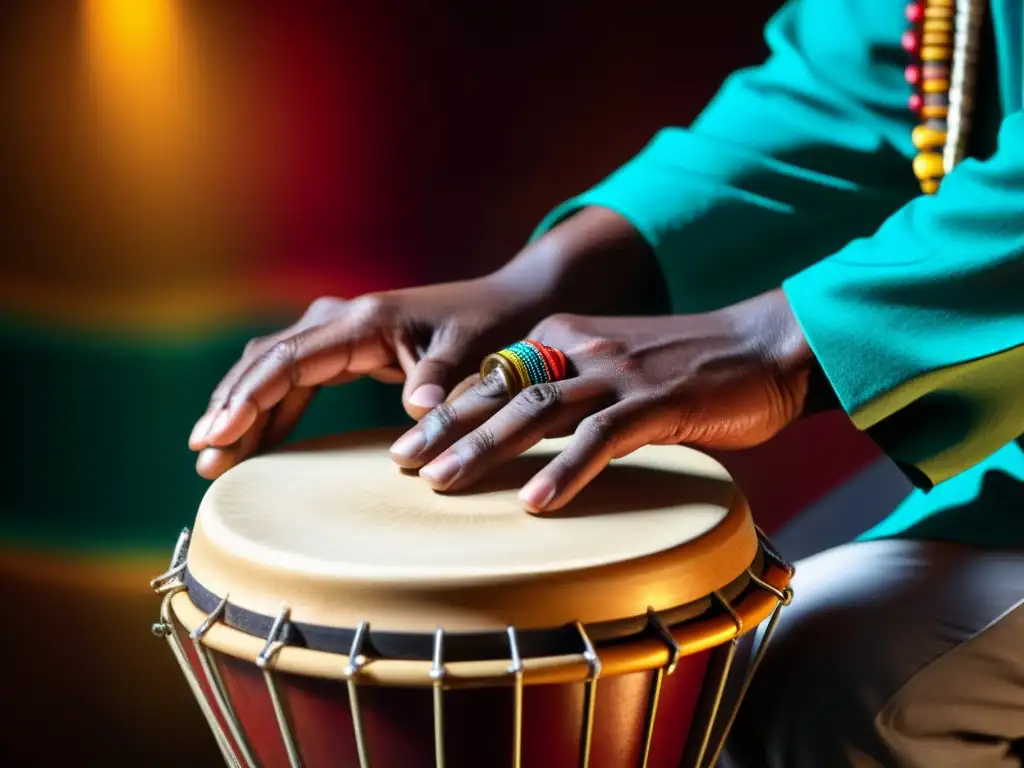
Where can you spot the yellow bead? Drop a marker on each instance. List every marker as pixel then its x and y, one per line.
pixel 932 112
pixel 936 38
pixel 938 13
pixel 939 3
pixel 930 187
pixel 935 53
pixel 926 137
pixel 937 25
pixel 522 375
pixel 928 165
pixel 935 86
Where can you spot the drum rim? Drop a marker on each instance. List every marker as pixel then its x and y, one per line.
pixel 641 652
pixel 418 646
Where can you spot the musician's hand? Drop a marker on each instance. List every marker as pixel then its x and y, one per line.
pixel 723 380
pixel 431 337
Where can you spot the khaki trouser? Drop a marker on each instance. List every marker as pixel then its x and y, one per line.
pixel 901 654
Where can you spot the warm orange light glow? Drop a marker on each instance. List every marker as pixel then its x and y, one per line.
pixel 141 87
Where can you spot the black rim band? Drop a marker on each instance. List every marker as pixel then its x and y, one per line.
pixel 477 646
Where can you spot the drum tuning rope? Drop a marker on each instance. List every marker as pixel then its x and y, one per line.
pixel 356 661
pixel 655 622
pixel 730 656
pixel 275 642
pixel 590 694
pixel 517 670
pixel 213 679
pixel 437 673
pixel 708 741
pixel 168 584
pixel 785 597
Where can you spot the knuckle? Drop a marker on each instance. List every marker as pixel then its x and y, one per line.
pixel 538 398
pixel 368 309
pixel 253 344
pixel 441 419
pixel 558 321
pixel 285 351
pixel 600 427
pixel 284 355
pixel 492 386
pixel 603 347
pixel 324 305
pixel 479 441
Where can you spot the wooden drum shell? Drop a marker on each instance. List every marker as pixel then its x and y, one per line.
pixel 395 698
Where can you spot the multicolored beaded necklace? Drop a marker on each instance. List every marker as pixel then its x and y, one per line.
pixel 943 39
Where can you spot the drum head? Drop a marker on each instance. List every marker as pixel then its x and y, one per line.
pixel 335 531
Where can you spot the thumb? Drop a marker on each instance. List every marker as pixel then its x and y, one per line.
pixel 431 379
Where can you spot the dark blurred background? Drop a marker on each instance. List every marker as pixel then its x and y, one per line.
pixel 179 176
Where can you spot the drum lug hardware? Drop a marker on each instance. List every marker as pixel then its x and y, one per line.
pixel 785 597
pixel 197 634
pixel 171 578
pixel 276 640
pixel 655 621
pixel 213 679
pixel 356 661
pixel 589 694
pixel 773 554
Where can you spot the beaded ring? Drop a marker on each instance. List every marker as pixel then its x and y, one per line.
pixel 943 38
pixel 525 364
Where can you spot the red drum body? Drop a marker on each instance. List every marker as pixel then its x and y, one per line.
pixel 634 674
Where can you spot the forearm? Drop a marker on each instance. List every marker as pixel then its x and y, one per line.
pixel 790 161
pixel 592 263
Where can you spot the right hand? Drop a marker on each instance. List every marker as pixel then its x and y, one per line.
pixel 431 337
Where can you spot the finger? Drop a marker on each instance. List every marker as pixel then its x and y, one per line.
pixel 284 417
pixel 431 375
pixel 214 462
pixel 609 434
pixel 253 349
pixel 387 375
pixel 463 386
pixel 524 422
pixel 306 359
pixel 449 421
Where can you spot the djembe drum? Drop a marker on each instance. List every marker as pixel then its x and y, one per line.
pixel 330 610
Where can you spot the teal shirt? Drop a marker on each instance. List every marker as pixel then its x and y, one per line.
pixel 799 173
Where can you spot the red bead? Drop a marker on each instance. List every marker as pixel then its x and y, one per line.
pixel 912 74
pixel 915 12
pixel 910 41
pixel 915 102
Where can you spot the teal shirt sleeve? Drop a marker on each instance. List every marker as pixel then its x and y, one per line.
pixel 920 327
pixel 790 161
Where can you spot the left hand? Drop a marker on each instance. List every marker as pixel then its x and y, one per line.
pixel 727 379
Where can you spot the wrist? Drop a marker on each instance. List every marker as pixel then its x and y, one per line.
pixel 772 326
pixel 796 358
pixel 593 263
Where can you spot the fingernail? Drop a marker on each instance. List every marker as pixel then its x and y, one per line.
pixel 208 460
pixel 409 444
pixel 427 396
pixel 442 470
pixel 537 493
pixel 201 428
